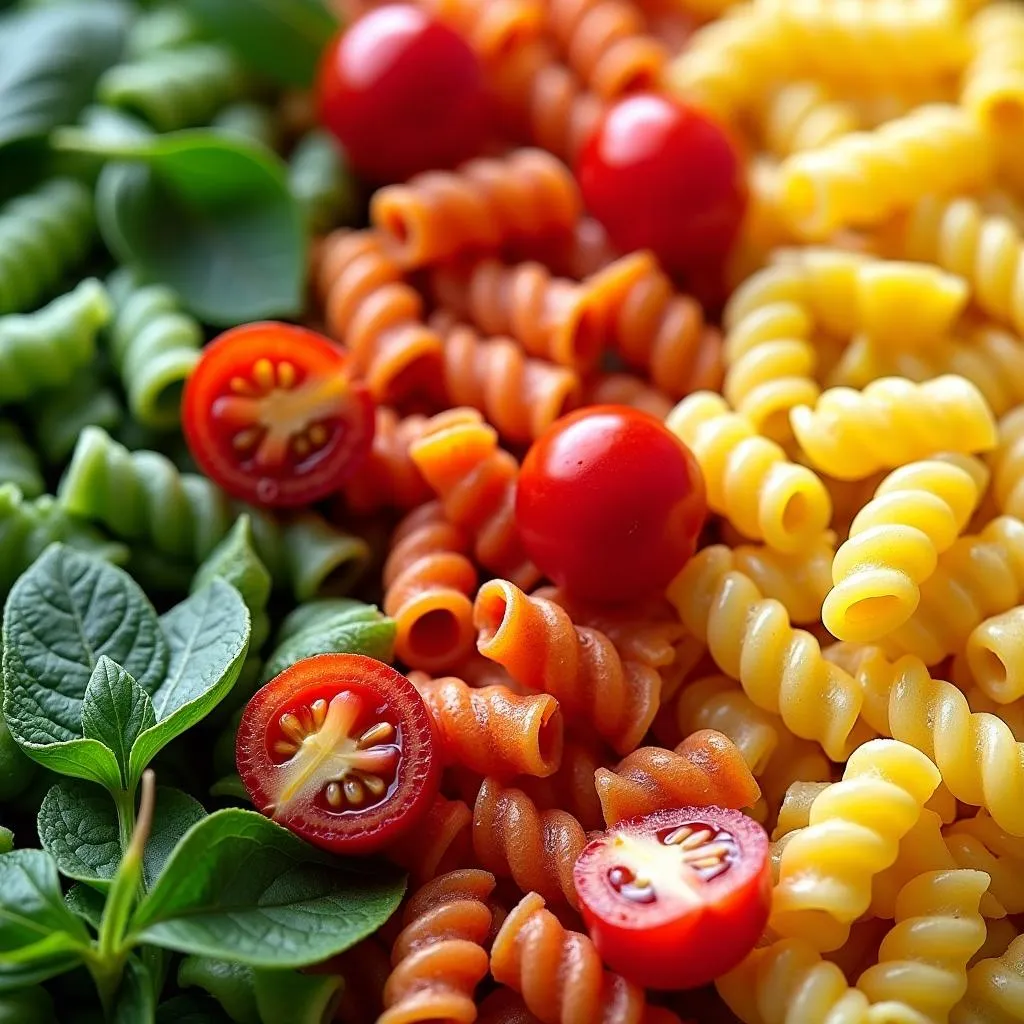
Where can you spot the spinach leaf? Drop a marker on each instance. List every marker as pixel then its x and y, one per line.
pixel 115 711
pixel 78 827
pixel 207 636
pixel 279 38
pixel 86 903
pixel 240 887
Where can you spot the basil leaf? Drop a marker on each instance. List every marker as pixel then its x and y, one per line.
pixel 77 825
pixel 86 903
pixel 292 995
pixel 50 61
pixel 240 887
pixel 115 711
pixel 61 616
pixel 230 983
pixel 208 636
pixel 136 1001
pixel 280 38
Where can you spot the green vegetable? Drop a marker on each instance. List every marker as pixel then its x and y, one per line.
pixel 18 463
pixel 230 983
pixel 16 770
pixel 190 1009
pixel 6 840
pixel 27 1006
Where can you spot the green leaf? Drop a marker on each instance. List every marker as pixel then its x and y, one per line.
pixel 6 840
pixel 279 38
pixel 61 616
pixel 86 903
pixel 27 1006
pixel 78 827
pixel 296 997
pixel 135 1002
pixel 230 983
pixel 333 625
pixel 208 636
pixel 115 711
pixel 50 61
pixel 191 1009
pixel 240 887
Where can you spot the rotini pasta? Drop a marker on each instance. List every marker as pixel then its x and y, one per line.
pixel 993 83
pixel 57 422
pixel 995 653
pixel 441 842
pixel 995 990
pixel 979 843
pixel 626 389
pixel 503 1006
pixel 804 115
pixel 18 463
pixel 492 28
pixel 572 787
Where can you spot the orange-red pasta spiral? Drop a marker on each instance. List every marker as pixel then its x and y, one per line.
pixel 521 396
pixel 536 640
pixel 485 204
pixel 572 788
pixel 459 457
pixel 428 583
pixel 706 768
pixel 493 731
pixel 377 316
pixel 439 956
pixel 492 28
pixel 503 1006
pixel 536 849
pixel 364 968
pixel 439 843
pixel 626 389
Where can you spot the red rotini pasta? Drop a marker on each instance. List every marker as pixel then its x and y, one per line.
pixel 492 27
pixel 572 786
pixel 503 1006
pixel 627 389
pixel 441 842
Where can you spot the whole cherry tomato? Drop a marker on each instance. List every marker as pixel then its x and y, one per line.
pixel 403 93
pixel 271 415
pixel 676 898
pixel 609 504
pixel 339 748
pixel 662 176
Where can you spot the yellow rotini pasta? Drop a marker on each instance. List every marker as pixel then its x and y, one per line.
pixel 1008 465
pixel 804 115
pixel 995 654
pixel 995 990
pixel 980 843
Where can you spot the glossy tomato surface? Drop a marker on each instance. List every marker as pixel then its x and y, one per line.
pixel 663 176
pixel 271 415
pixel 609 504
pixel 403 92
pixel 676 898
pixel 339 748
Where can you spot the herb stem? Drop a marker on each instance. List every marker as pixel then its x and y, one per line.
pixel 124 801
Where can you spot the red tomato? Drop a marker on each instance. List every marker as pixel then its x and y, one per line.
pixel 403 93
pixel 270 414
pixel 339 748
pixel 676 898
pixel 665 177
pixel 609 504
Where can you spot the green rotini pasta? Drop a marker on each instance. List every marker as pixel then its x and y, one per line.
pixel 154 345
pixel 42 235
pixel 321 181
pixel 18 463
pixel 57 421
pixel 48 348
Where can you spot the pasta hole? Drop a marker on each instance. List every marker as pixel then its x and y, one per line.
pixel 987 665
pixel 550 737
pixel 489 613
pixel 798 514
pixel 874 609
pixel 436 633
pixel 396 226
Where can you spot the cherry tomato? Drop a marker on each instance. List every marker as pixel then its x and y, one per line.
pixel 609 504
pixel 403 93
pixel 271 415
pixel 662 176
pixel 676 898
pixel 340 749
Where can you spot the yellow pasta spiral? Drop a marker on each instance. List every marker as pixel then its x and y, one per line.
pixel 1008 465
pixel 804 115
pixel 995 654
pixel 981 844
pixel 855 827
pixel 922 962
pixel 995 990
pixel 993 85
pixel 851 434
pixel 749 479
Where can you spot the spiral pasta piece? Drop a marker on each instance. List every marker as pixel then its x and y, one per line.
pixel 892 422
pixel 427 586
pixel 803 115
pixel 48 348
pixel 18 463
pixel 749 479
pixel 781 669
pixel 440 956
pixel 826 869
pixel 363 968
pixel 42 235
pixel 370 308
pixel 922 962
pixel 861 180
pixel 503 1006
pixel 980 843
pixel 627 389
pixel 537 641
pixel 706 768
pixel 521 396
pixel 571 787
pixel 155 346
pixel 993 83
pixel 492 28
pixel 484 205
pixel 995 653
pixel 1008 465
pixel 536 849
pixel 493 731
pixel 442 842
pixel 995 990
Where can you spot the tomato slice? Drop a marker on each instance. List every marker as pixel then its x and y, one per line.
pixel 339 748
pixel 271 414
pixel 675 898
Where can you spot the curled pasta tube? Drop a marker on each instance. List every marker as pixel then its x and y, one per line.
pixel 995 653
pixel 995 990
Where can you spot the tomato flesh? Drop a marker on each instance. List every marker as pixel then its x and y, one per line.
pixel 609 504
pixel 271 415
pixel 404 93
pixel 676 898
pixel 662 176
pixel 339 748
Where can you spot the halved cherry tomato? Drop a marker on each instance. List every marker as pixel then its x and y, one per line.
pixel 271 414
pixel 609 504
pixel 340 749
pixel 675 898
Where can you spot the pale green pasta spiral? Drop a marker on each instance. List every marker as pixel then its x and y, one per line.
pixel 48 348
pixel 42 235
pixel 64 414
pixel 154 345
pixel 321 181
pixel 18 463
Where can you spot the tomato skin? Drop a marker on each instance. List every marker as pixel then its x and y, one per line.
pixel 609 504
pixel 288 481
pixel 662 176
pixel 386 696
pixel 670 943
pixel 404 93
